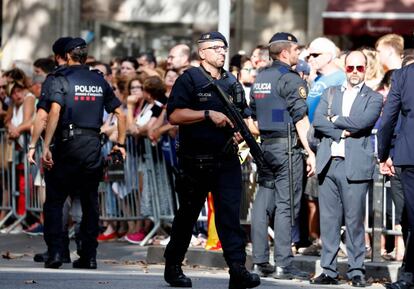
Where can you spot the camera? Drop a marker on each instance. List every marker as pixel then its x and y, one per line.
pixel 114 167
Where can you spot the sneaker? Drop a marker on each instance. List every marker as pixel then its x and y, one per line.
pixel 165 241
pixel 135 238
pixel 35 230
pixel 106 238
pixel 16 230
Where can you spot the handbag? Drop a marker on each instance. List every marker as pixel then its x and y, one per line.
pixel 313 137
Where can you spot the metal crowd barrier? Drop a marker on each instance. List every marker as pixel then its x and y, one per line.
pixel 12 189
pixel 146 185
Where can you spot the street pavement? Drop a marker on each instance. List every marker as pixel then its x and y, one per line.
pixel 120 266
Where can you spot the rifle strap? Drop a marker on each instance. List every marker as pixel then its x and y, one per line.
pixel 208 76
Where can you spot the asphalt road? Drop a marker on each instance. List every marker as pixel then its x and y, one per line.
pixel 120 266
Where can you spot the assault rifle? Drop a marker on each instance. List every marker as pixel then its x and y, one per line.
pixel 263 159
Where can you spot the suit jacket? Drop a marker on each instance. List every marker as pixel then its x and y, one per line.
pixel 400 99
pixel 359 153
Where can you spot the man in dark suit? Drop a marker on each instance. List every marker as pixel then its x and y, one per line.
pixel 345 165
pixel 400 101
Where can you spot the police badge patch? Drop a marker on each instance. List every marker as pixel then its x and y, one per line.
pixel 302 92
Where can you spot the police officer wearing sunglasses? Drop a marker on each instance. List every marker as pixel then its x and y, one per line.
pixel 345 165
pixel 208 162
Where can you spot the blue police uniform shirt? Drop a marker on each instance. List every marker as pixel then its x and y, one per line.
pixel 83 95
pixel 319 85
pixel 191 90
pixel 276 98
pixel 44 101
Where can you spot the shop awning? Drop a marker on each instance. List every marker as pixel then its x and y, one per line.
pixel 368 17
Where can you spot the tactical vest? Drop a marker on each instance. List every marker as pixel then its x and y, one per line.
pixel 271 108
pixel 201 82
pixel 205 137
pixel 84 98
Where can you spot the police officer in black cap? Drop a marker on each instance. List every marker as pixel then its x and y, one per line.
pixel 39 124
pixel 278 98
pixel 208 162
pixel 77 99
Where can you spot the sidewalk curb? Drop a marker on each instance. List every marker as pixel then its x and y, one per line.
pixel 197 256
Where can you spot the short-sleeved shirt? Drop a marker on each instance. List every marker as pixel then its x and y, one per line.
pixel 278 97
pixel 85 115
pixel 192 90
pixel 43 102
pixel 158 106
pixel 319 85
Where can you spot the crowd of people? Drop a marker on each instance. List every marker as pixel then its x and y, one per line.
pixel 337 95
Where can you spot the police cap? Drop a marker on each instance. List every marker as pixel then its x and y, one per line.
pixel 283 37
pixel 59 45
pixel 75 42
pixel 212 36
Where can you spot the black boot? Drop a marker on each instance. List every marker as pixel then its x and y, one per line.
pixel 173 275
pixel 41 257
pixel 85 263
pixel 240 278
pixel 66 256
pixel 54 261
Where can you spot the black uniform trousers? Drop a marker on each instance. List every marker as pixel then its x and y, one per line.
pixel 407 176
pixel 65 216
pixel 223 178
pixel 77 168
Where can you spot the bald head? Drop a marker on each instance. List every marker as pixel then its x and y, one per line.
pixel 355 66
pixel 179 58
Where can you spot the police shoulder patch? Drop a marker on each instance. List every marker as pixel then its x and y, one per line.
pixel 302 92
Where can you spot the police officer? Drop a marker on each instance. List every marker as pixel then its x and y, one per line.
pixel 208 162
pixel 39 124
pixel 78 97
pixel 278 98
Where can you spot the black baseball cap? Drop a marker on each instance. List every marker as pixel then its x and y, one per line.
pixel 212 36
pixel 283 37
pixel 75 42
pixel 59 46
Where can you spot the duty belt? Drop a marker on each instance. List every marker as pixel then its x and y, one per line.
pixel 67 134
pixel 279 140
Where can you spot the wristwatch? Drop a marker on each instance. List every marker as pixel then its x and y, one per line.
pixel 120 145
pixel 206 114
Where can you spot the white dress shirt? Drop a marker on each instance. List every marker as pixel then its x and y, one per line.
pixel 338 148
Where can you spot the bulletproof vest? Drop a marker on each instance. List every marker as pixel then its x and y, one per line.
pixel 84 98
pixel 271 108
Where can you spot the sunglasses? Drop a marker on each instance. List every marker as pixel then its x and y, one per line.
pixel 351 68
pixel 314 55
pixel 3 86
